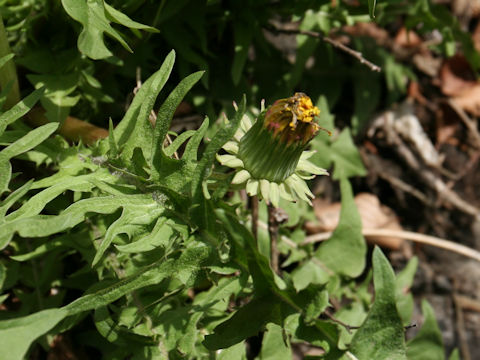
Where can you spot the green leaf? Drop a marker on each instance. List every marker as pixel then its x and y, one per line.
pixel 179 140
pixel 309 273
pixel 27 142
pixel 247 321
pixel 14 197
pixel 35 204
pixel 321 333
pixel 454 355
pixel 220 293
pixel 403 282
pixel 353 314
pixel 115 333
pixel 326 119
pixel 161 235
pixel 243 242
pixel 5 175
pixel 112 143
pixel 190 261
pixel 221 137
pixel 199 209
pixel 164 118
pixel 243 36
pixel 381 336
pixel 428 343
pixel 190 334
pixel 371 8
pixel 5 59
pixel 274 345
pixel 56 100
pixel 346 158
pixel 19 109
pixel 40 250
pixel 177 173
pixel 317 302
pixel 130 121
pixel 132 215
pixel 16 335
pixel 44 225
pixel 141 131
pixel 121 18
pixel 91 14
pixel 306 46
pixel 191 149
pixel 345 251
pixel 235 352
pixel 367 88
pixel 3 275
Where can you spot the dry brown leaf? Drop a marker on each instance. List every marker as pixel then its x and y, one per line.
pixel 466 8
pixel 458 81
pixel 470 100
pixel 427 63
pixel 72 129
pixel 374 215
pixel 407 38
pixel 372 30
pixel 415 92
pixel 456 76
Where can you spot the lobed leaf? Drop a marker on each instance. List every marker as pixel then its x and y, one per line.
pixel 131 215
pixel 121 18
pixel 371 8
pixel 428 343
pixel 16 335
pixel 92 15
pixel 44 225
pixel 20 109
pixel 274 346
pixel 190 261
pixel 243 37
pixel 130 122
pixel 346 157
pixel 246 322
pixel 403 282
pixel 381 336
pixel 345 251
pixel 164 118
pixel 22 145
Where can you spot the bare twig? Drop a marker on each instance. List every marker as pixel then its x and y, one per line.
pixel 469 123
pixel 468 303
pixel 385 122
pixel 356 54
pixel 380 168
pixel 407 235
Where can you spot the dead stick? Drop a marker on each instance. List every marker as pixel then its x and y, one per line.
pixel 469 123
pixel 407 235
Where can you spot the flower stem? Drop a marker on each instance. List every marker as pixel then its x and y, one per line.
pixel 254 208
pixel 273 232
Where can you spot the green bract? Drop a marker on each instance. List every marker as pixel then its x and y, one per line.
pixel 269 155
